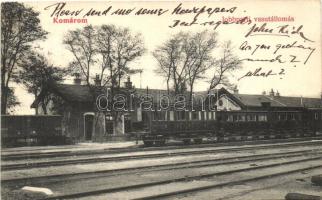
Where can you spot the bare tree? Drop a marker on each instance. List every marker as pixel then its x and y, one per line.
pixel 20 27
pixel 168 56
pixel 81 43
pixel 117 48
pixel 107 49
pixel 199 48
pixel 227 63
pixel 184 59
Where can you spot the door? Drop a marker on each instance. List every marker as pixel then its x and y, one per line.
pixel 88 126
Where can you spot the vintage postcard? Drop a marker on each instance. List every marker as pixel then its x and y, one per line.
pixel 161 100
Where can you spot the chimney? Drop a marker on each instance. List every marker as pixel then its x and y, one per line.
pixel 264 92
pixel 97 80
pixel 236 90
pixel 277 94
pixel 271 93
pixel 128 83
pixel 77 79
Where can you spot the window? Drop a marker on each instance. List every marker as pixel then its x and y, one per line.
pixel 230 118
pixel 262 117
pixel 316 116
pixel 109 124
pixel 220 102
pixel 109 117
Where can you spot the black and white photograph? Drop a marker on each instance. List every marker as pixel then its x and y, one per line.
pixel 146 100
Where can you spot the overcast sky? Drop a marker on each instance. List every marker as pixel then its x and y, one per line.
pixel 302 80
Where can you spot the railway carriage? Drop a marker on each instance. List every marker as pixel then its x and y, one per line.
pixel 230 125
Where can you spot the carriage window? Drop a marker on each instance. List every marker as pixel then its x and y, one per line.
pixel 195 115
pixel 181 115
pixel 234 118
pixel 281 117
pixel 299 116
pixel 251 118
pixel 210 115
pixel 160 115
pixel 171 115
pixel 241 118
pixel 292 116
pixel 202 116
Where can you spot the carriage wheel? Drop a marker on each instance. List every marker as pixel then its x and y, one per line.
pixel 160 142
pixel 186 141
pixel 197 140
pixel 148 143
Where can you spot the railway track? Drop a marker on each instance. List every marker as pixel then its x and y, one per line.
pixel 8 167
pixel 30 155
pixel 162 167
pixel 314 163
pixel 220 185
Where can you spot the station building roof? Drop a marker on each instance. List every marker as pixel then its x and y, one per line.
pixel 82 93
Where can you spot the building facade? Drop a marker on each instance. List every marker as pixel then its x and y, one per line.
pixel 84 121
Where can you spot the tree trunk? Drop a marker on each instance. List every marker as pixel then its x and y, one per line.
pixel 118 124
pixel 4 98
pixel 99 128
pixel 168 86
pixel 44 108
pixel 36 109
pixel 190 94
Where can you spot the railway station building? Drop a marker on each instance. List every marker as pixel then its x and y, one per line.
pixel 80 121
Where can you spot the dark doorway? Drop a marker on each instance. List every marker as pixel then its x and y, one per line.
pixel 88 126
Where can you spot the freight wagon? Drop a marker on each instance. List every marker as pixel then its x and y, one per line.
pixel 22 130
